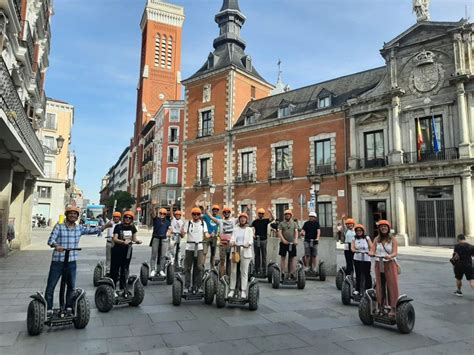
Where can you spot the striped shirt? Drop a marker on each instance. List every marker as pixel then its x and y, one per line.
pixel 68 237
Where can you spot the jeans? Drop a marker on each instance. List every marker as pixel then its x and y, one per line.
pixel 55 272
pixel 155 245
pixel 197 264
pixel 260 255
pixel 362 270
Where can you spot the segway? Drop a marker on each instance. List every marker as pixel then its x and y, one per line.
pixel 79 315
pixel 370 312
pixel 99 273
pixel 259 274
pixel 195 292
pixel 106 296
pixel 272 255
pixel 320 272
pixel 223 288
pixel 349 286
pixel 177 260
pixel 341 274
pixel 169 269
pixel 287 278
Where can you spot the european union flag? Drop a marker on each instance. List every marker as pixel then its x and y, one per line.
pixel 435 135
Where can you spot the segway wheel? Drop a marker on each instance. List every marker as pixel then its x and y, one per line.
pixel 138 294
pixel 405 318
pixel 365 314
pixel 322 272
pixel 209 290
pixel 339 279
pixel 220 295
pixel 83 313
pixel 170 274
pixel 35 317
pixel 144 274
pixel 254 294
pixel 97 274
pixel 346 293
pixel 269 274
pixel 275 278
pixel 177 292
pixel 104 298
pixel 301 283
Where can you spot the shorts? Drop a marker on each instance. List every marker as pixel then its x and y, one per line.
pixel 463 269
pixel 311 251
pixel 284 249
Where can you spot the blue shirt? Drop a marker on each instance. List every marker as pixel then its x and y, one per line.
pixel 160 227
pixel 68 238
pixel 212 227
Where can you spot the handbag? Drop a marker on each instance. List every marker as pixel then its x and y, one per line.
pixel 454 259
pixel 399 268
pixel 235 256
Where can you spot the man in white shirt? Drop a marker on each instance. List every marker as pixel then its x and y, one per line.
pixel 195 231
pixel 176 227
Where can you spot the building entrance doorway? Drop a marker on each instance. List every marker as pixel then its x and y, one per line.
pixel 376 210
pixel 435 216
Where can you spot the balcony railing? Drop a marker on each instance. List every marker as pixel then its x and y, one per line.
pixel 147 177
pixel 10 102
pixel 245 178
pixel 375 162
pixel 321 169
pixel 17 5
pixel 204 181
pixel 427 156
pixel 205 132
pixel 281 174
pixel 145 198
pixel 147 160
pixel 27 40
pixel 148 142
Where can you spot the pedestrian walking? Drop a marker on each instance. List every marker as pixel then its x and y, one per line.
pixel 462 262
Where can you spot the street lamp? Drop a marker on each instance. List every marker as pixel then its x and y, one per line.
pixel 212 190
pixel 60 143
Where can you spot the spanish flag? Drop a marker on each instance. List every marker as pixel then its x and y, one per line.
pixel 419 138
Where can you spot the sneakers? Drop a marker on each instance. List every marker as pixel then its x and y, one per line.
pixel 231 294
pixel 152 273
pixel 356 293
pixel 162 273
pixel 243 295
pixel 458 293
pixel 49 313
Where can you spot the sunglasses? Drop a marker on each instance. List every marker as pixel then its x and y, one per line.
pixel 226 212
pixel 196 214
pixel 162 214
pixel 126 217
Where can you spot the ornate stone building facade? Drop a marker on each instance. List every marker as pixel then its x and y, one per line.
pixel 412 136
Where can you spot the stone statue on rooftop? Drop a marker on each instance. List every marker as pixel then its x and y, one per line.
pixel 421 9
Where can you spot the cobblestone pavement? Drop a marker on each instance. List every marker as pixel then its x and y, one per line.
pixel 288 320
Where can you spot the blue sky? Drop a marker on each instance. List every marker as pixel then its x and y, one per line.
pixel 94 59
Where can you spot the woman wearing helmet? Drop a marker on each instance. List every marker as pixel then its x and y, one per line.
pixel 386 247
pixel 176 226
pixel 361 246
pixel 124 234
pixel 349 234
pixel 242 239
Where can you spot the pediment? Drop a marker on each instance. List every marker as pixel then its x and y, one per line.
pixel 325 93
pixel 370 118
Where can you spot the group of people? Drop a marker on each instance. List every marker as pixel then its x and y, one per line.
pixel 358 251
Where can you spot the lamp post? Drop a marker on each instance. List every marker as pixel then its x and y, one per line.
pixel 313 192
pixel 60 143
pixel 212 190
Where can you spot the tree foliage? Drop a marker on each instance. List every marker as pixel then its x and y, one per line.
pixel 124 200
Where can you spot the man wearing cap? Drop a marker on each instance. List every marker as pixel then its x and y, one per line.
pixel 260 227
pixel 66 236
pixel 213 229
pixel 161 233
pixel 288 234
pixel 311 232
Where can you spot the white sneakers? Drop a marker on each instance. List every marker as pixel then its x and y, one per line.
pixel 231 294
pixel 162 273
pixel 152 273
pixel 243 295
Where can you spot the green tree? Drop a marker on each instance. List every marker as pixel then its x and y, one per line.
pixel 124 201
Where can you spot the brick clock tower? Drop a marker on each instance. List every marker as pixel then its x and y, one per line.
pixel 160 75
pixel 215 97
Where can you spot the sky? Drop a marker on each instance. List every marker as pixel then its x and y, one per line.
pixel 95 50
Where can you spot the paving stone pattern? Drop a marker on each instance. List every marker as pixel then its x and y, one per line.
pixel 288 321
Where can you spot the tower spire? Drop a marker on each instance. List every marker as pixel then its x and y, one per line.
pixel 230 20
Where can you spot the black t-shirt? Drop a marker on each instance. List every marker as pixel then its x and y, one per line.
pixel 261 226
pixel 124 232
pixel 465 252
pixel 311 230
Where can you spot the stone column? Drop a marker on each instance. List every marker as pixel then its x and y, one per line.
pixel 467 205
pixel 28 199
pixel 397 139
pixel 400 212
pixel 464 146
pixel 355 198
pixel 353 156
pixel 470 115
pixel 16 205
pixel 6 176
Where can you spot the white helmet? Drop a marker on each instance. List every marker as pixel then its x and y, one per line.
pixel 313 214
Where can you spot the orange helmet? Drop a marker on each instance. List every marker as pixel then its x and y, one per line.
pixel 288 212
pixel 261 210
pixel 361 226
pixel 117 214
pixel 129 214
pixel 226 209
pixel 178 213
pixel 243 214
pixel 216 207
pixel 163 210
pixel 72 209
pixel 196 210
pixel 384 222
pixel 350 221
